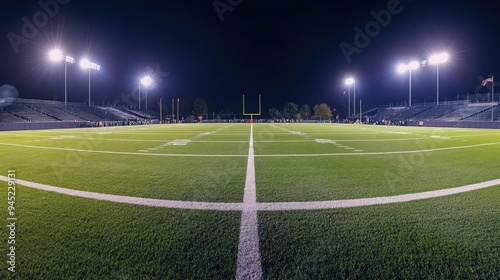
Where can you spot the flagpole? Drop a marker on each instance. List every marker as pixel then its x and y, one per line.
pixel 492 88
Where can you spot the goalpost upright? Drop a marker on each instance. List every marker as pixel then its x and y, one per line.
pixel 252 114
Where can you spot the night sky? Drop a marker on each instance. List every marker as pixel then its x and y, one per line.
pixel 284 50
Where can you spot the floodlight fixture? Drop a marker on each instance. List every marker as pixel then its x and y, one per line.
pixel 87 64
pixel 146 81
pixel 57 55
pixel 408 67
pixel 438 59
pixel 413 65
pixel 402 68
pixel 351 81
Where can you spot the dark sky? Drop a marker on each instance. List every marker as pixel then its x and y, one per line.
pixel 284 50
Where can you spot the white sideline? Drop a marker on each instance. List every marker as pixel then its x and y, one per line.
pixel 248 264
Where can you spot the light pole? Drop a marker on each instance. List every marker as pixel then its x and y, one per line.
pixel 409 67
pixel 438 59
pixel 86 64
pixel 146 81
pixel 349 82
pixel 57 55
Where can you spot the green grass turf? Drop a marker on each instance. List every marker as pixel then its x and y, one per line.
pixel 73 238
pixel 345 175
pixel 63 237
pixel 453 237
pixel 211 179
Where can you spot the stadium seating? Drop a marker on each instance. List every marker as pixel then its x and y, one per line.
pixel 463 112
pixel 435 112
pixel 6 117
pixel 485 115
pixel 28 114
pixel 27 110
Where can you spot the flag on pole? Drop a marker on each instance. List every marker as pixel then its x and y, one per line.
pixel 487 80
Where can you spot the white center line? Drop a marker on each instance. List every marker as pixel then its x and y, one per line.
pixel 248 263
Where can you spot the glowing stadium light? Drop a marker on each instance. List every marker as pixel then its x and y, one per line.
pixel 438 59
pixel 413 65
pixel 351 81
pixel 402 68
pixel 57 55
pixel 409 68
pixel 87 64
pixel 146 81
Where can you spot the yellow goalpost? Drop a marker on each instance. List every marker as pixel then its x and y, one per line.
pixel 252 114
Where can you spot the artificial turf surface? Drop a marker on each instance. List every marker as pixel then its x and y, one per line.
pixel 73 238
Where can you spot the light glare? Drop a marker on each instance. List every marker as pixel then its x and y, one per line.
pixel 439 58
pixel 349 81
pixel 146 80
pixel 56 55
pixel 413 65
pixel 408 67
pixel 86 64
pixel 402 68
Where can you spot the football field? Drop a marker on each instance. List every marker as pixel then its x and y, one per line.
pixel 270 201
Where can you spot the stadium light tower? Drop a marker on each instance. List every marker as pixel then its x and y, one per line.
pixel 349 82
pixel 438 59
pixel 57 55
pixel 86 64
pixel 146 81
pixel 409 67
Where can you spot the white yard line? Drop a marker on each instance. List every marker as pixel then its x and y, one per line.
pixel 248 262
pixel 116 153
pixel 269 155
pixel 270 206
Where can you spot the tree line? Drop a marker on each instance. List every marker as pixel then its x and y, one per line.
pixel 290 111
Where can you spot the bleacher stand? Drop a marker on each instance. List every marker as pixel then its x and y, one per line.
pixel 27 110
pixel 463 113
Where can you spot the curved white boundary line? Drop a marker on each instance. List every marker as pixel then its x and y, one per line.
pixel 224 206
pixel 261 156
pixel 259 206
